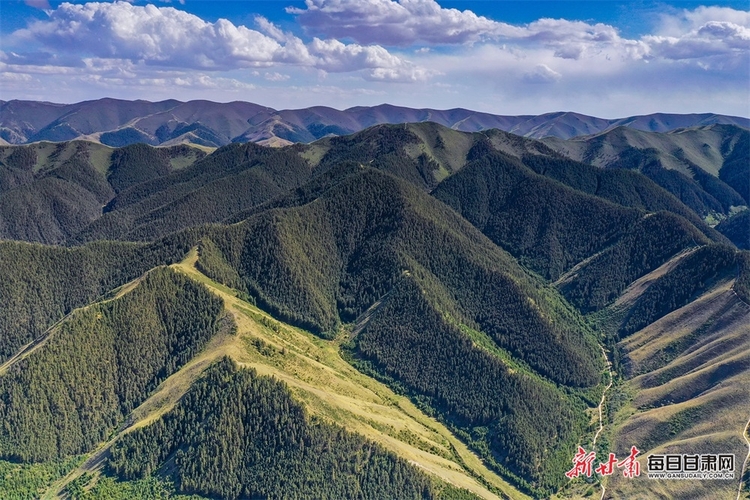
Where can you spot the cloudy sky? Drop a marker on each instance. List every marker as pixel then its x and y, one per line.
pixel 606 58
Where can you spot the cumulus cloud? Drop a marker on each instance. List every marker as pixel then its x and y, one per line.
pixel 714 37
pixel 405 22
pixel 397 23
pixel 542 74
pixel 352 46
pixel 677 23
pixel 703 32
pixel 167 37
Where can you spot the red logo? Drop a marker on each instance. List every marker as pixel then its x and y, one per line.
pixel 582 464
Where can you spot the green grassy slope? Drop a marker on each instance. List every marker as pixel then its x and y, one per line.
pixel 239 435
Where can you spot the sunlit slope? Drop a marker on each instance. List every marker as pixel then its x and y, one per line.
pixel 117 122
pixel 237 434
pixel 704 147
pixel 372 237
pixel 334 390
pixel 705 167
pixel 141 388
pixel 686 386
pixel 692 380
pixel 329 387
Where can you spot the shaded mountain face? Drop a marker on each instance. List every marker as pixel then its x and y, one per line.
pixel 419 294
pixel 119 123
pixel 737 229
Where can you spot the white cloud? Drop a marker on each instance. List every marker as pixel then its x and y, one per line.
pixel 542 74
pixel 705 31
pixel 397 23
pixel 335 56
pixel 677 23
pixel 405 22
pixel 275 77
pixel 7 77
pixel 692 61
pixel 167 37
pixel 711 37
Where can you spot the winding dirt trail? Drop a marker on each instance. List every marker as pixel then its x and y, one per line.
pixel 604 395
pixel 601 406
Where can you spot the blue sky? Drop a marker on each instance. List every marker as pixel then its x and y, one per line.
pixel 603 58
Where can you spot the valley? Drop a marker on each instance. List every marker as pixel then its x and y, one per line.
pixel 407 311
pixel 330 388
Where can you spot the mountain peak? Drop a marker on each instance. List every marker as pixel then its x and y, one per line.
pixel 155 122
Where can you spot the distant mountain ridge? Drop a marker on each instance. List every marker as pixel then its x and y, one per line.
pixel 409 311
pixel 119 123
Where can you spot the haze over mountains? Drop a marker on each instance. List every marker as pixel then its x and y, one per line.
pixel 409 311
pixel 119 123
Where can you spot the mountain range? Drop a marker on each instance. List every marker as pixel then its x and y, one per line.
pixel 407 311
pixel 119 123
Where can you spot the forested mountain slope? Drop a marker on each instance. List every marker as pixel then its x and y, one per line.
pixel 548 226
pixel 49 192
pixel 140 351
pixel 120 350
pixel 39 284
pixel 706 167
pixel 267 446
pixel 372 237
pixel 77 192
pixel 421 295
pixel 737 229
pixel 231 179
